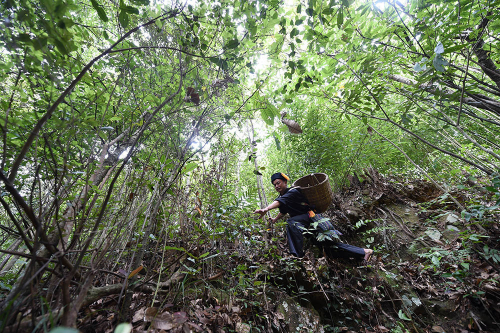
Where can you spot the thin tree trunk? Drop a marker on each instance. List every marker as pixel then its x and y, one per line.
pixel 8 257
pixel 237 187
pixel 260 185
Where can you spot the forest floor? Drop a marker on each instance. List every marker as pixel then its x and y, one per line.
pixel 434 269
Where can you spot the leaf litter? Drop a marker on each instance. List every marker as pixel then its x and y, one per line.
pixel 424 276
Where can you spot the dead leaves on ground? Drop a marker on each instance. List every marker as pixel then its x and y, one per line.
pixel 198 317
pixel 356 287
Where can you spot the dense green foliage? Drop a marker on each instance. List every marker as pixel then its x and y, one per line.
pixel 424 75
pixel 147 123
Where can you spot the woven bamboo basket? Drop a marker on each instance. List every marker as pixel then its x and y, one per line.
pixel 316 188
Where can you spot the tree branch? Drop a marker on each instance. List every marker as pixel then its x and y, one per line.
pixel 53 107
pixel 476 100
pixel 484 60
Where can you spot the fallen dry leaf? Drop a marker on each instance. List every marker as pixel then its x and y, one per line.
pixel 437 329
pixel 196 327
pixel 165 321
pixel 139 315
pixel 150 314
pixel 381 328
pixel 135 271
pixel 180 317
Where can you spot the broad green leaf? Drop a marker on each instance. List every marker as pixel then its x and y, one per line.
pixel 24 38
pixel 123 19
pixel 277 141
pixel 253 29
pixel 222 63
pixel 297 85
pixel 189 167
pixel 403 316
pixel 232 44
pixel 340 18
pixel 130 10
pixel 455 48
pixel 159 23
pixel 204 255
pixel 123 328
pixel 61 329
pixel 274 110
pixel 65 23
pixel 267 116
pixel 435 260
pixel 40 43
pixel 60 46
pixel 141 2
pixel 100 11
pixel 278 44
pixel 174 248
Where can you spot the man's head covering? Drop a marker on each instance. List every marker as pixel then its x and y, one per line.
pixel 279 175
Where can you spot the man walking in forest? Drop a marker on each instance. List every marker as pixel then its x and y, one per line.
pixel 292 202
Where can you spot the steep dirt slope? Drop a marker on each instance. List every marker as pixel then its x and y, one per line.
pixel 435 269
